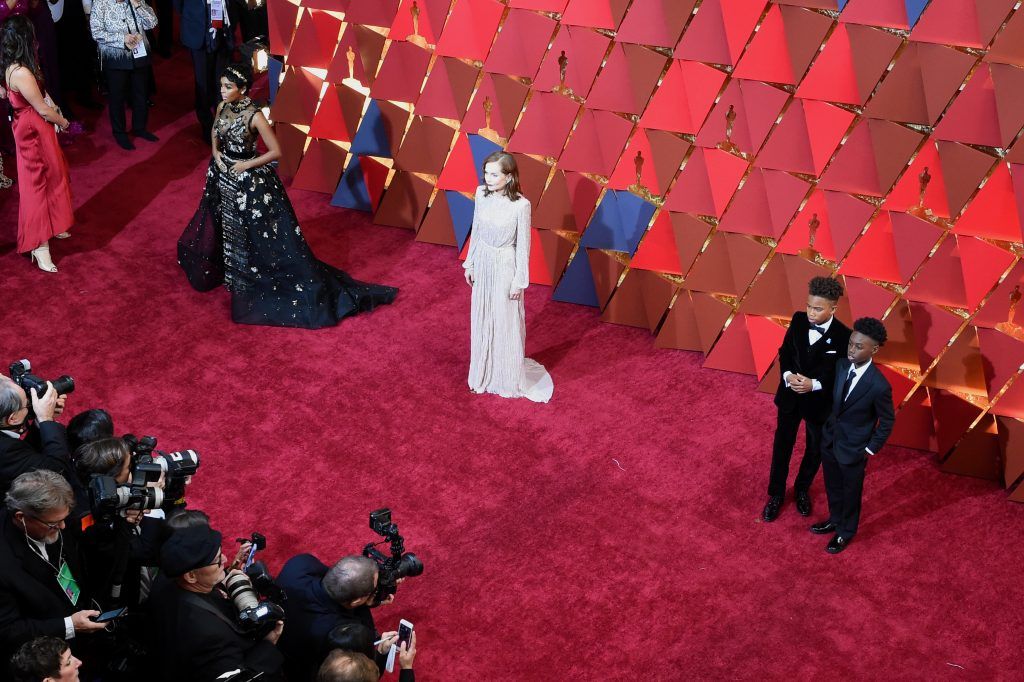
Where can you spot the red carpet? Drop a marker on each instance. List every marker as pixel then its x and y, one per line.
pixel 544 559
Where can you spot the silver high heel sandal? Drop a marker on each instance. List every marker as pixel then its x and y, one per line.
pixel 41 257
pixel 62 235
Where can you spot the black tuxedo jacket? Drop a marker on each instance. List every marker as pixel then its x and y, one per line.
pixel 32 603
pixel 45 447
pixel 864 421
pixel 817 362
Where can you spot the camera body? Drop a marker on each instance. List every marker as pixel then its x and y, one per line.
pixel 256 616
pixel 108 499
pixel 21 374
pixel 147 467
pixel 400 564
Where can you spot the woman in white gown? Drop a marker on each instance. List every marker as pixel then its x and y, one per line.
pixel 498 269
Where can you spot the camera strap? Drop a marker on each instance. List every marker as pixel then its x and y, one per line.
pixel 204 604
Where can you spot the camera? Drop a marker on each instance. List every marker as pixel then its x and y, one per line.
pixel 20 374
pixel 257 617
pixel 178 466
pixel 107 499
pixel 400 564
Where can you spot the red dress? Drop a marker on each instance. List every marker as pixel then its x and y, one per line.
pixel 45 206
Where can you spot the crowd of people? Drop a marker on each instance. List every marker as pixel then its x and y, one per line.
pixel 107 575
pixel 59 55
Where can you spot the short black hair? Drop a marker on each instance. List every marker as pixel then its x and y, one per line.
pixel 88 426
pixel 826 287
pixel 38 659
pixel 872 328
pixel 238 73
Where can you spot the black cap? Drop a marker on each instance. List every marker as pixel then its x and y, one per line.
pixel 188 549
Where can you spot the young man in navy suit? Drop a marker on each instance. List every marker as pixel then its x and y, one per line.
pixel 858 426
pixel 807 359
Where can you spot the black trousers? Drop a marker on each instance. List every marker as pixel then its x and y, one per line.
pixel 786 427
pixel 131 86
pixel 206 67
pixel 844 485
pixel 164 25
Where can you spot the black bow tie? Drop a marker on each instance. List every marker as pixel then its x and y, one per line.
pixel 820 330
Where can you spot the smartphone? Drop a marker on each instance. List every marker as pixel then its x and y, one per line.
pixel 250 556
pixel 404 633
pixel 108 616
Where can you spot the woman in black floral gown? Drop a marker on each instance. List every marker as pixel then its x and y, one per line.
pixel 245 234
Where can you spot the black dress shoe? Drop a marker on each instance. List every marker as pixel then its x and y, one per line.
pixel 771 510
pixel 146 135
pixel 123 142
pixel 803 504
pixel 837 544
pixel 823 528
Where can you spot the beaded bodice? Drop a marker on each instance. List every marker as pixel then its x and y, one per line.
pixel 235 136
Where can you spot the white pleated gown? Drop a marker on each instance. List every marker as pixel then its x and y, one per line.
pixel 499 261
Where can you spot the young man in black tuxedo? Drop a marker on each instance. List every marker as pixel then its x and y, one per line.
pixel 807 359
pixel 858 426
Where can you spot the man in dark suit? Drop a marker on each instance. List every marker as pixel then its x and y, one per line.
pixel 207 31
pixel 26 446
pixel 807 360
pixel 858 426
pixel 319 600
pixel 42 586
pixel 199 639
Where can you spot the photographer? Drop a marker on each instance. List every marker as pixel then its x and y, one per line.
pixel 198 636
pixel 29 445
pixel 87 426
pixel 320 600
pixel 116 546
pixel 41 577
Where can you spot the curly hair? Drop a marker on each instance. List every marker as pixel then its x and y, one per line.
pixel 238 73
pixel 826 287
pixel 872 328
pixel 18 46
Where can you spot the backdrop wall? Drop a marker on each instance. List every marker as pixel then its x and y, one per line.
pixel 691 164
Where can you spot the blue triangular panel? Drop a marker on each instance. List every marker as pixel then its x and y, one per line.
pixel 481 148
pixel 634 216
pixel 914 9
pixel 274 68
pixel 352 192
pixel 618 223
pixel 371 138
pixel 461 209
pixel 842 4
pixel 577 284
pixel 604 225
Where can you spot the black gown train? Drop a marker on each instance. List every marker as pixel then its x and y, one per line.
pixel 245 235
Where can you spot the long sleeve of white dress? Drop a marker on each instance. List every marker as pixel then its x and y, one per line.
pixel 499 260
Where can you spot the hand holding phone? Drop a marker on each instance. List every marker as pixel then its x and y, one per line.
pixel 404 633
pixel 108 616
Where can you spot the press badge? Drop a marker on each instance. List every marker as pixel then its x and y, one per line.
pixel 139 51
pixel 68 583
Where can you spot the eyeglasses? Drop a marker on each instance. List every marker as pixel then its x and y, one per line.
pixel 52 526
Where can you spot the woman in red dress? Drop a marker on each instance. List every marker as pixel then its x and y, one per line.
pixel 45 194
